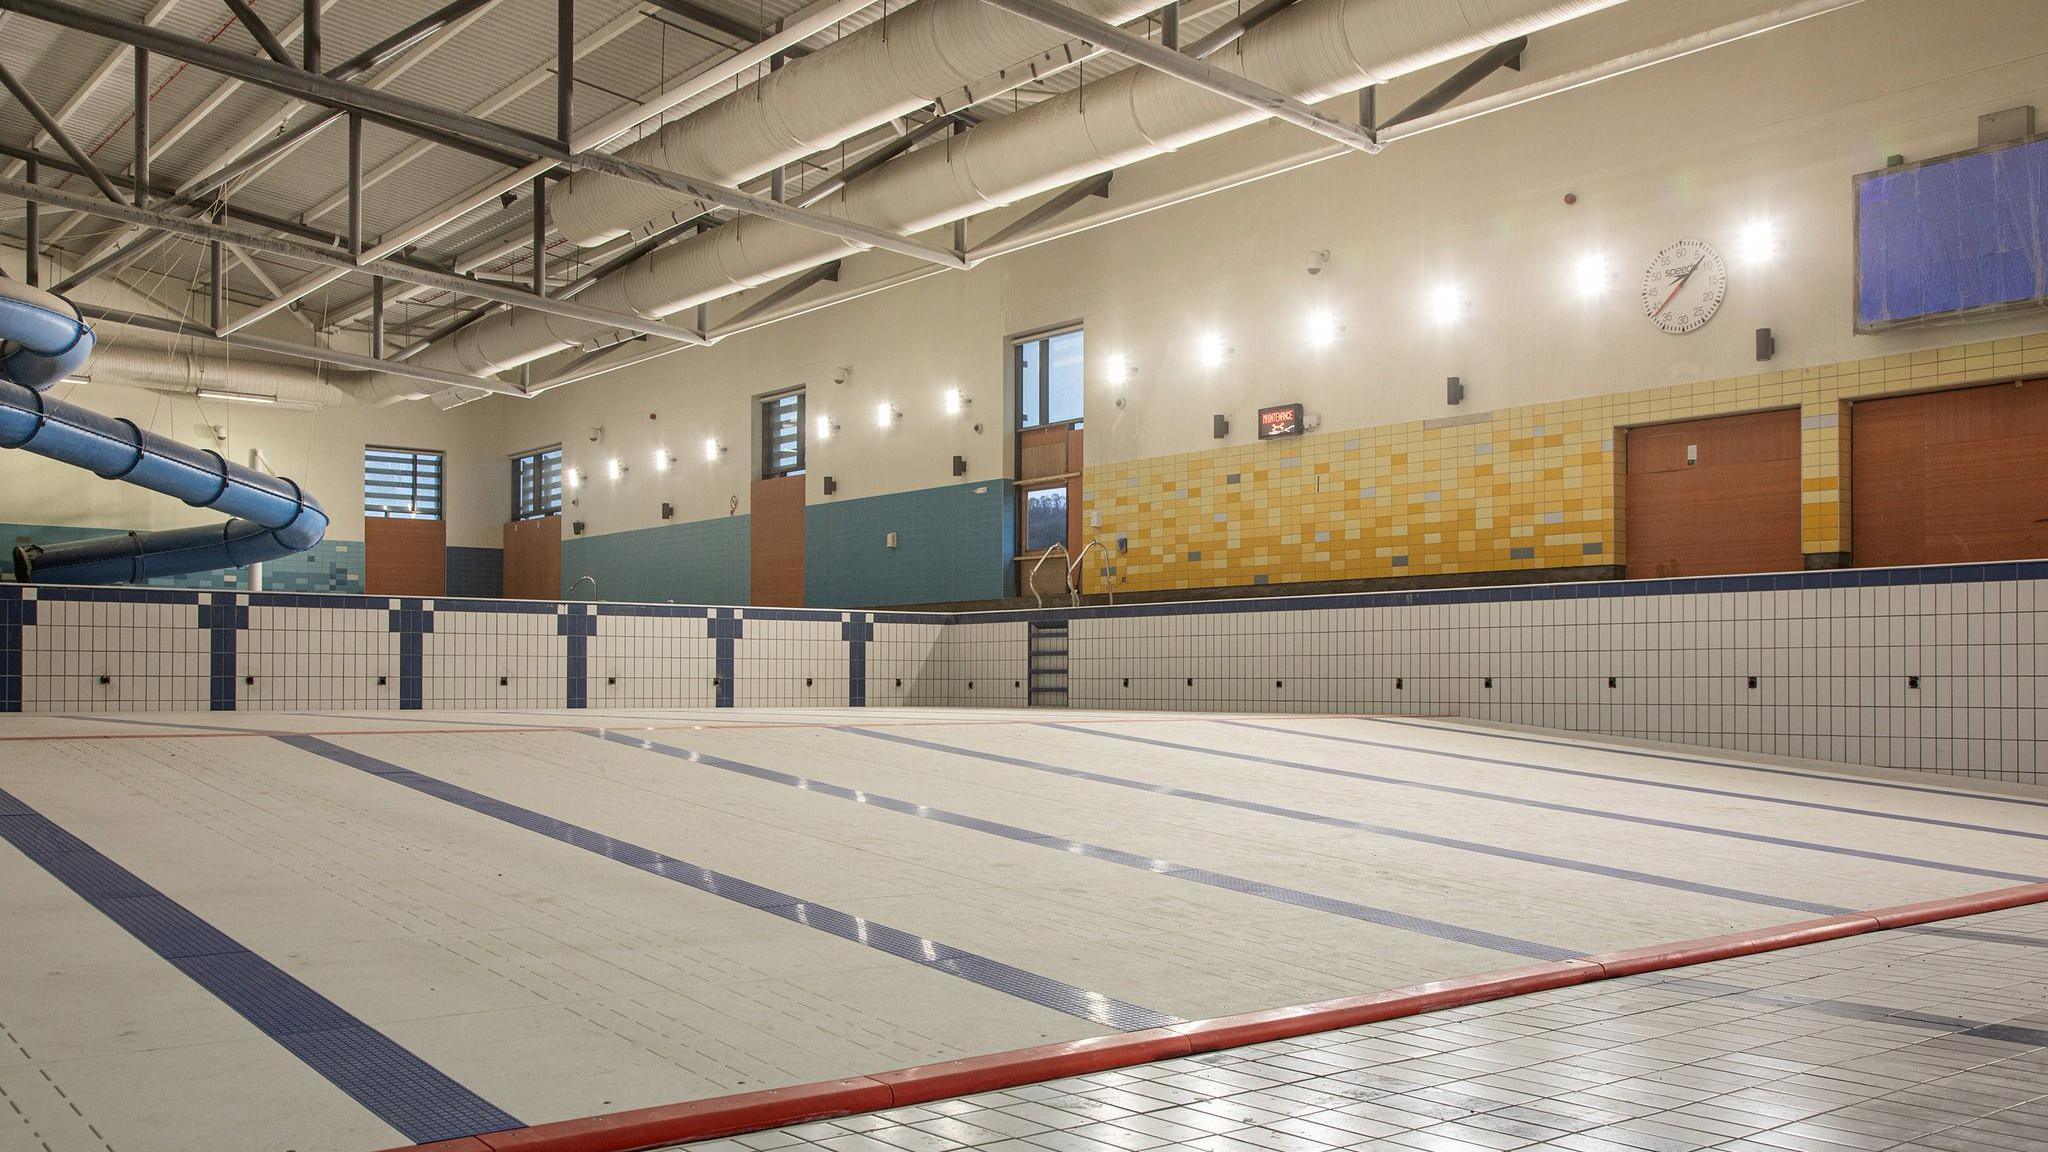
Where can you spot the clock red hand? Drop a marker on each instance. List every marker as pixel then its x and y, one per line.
pixel 1674 291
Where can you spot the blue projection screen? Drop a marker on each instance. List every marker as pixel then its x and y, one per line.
pixel 1949 237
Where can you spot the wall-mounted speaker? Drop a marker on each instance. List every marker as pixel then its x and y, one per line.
pixel 831 485
pixel 1220 426
pixel 959 465
pixel 1454 391
pixel 1766 344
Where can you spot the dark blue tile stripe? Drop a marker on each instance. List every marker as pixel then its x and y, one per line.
pixel 1675 758
pixel 1440 929
pixel 726 628
pixel 1105 1010
pixel 224 621
pixel 403 1090
pixel 16 614
pixel 857 632
pixel 412 622
pixel 1550 806
pixel 1670 785
pixel 579 624
pixel 1591 869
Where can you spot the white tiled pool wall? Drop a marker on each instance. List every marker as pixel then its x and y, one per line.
pixel 1833 654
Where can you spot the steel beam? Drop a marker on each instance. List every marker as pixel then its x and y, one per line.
pixel 1169 25
pixel 540 236
pixel 1228 85
pixel 332 356
pixel 1507 55
pixel 216 287
pixel 1066 198
pixel 414 117
pixel 565 71
pixel 874 160
pixel 55 131
pixel 719 22
pixel 377 317
pixel 1228 33
pixel 265 38
pixel 796 286
pixel 309 35
pixel 32 233
pixel 329 258
pixel 141 118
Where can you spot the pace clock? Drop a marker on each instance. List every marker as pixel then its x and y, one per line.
pixel 1683 286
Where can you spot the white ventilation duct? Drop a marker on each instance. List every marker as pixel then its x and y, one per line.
pixel 1313 51
pixel 885 70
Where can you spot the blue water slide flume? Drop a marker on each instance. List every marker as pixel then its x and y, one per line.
pixel 42 341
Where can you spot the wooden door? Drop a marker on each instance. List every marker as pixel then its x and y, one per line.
pixel 533 559
pixel 1950 477
pixel 1721 495
pixel 405 557
pixel 775 531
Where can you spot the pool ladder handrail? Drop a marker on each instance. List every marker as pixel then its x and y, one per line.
pixel 571 593
pixel 1074 573
pixel 1066 573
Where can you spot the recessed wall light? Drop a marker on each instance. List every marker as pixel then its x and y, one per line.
pixel 1211 349
pixel 1323 328
pixel 1759 242
pixel 1446 304
pixel 956 401
pixel 712 448
pixel 615 468
pixel 1589 275
pixel 1117 369
pixel 885 414
pixel 824 427
pixel 662 459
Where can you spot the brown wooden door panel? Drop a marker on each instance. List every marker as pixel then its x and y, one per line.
pixel 1736 510
pixel 405 557
pixel 533 559
pixel 1950 477
pixel 775 531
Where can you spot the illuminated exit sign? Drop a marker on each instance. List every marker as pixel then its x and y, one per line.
pixel 1284 420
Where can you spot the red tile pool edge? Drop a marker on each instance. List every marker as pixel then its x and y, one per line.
pixel 718 1116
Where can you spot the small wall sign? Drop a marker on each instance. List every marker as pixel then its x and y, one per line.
pixel 1282 420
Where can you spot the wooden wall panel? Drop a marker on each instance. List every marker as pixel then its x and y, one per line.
pixel 405 557
pixel 533 559
pixel 1950 477
pixel 1735 510
pixel 776 534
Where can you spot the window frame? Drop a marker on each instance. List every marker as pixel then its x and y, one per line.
pixel 768 408
pixel 1024 492
pixel 520 513
pixel 440 487
pixel 1042 388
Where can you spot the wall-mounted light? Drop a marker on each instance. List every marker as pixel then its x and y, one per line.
pixel 1758 243
pixel 615 468
pixel 825 426
pixel 1211 349
pixel 712 448
pixel 886 414
pixel 575 477
pixel 1322 328
pixel 1446 304
pixel 662 459
pixel 956 401
pixel 1589 274
pixel 1117 369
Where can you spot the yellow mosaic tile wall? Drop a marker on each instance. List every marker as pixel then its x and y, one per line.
pixel 1519 488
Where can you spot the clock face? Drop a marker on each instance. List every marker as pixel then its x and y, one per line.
pixel 1683 286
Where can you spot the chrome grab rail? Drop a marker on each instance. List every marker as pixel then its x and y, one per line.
pixel 571 593
pixel 1064 572
pixel 1074 571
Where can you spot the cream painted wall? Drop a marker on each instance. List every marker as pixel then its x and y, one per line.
pixel 1767 129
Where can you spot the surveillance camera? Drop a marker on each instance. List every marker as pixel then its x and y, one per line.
pixel 841 375
pixel 220 433
pixel 596 434
pixel 1317 260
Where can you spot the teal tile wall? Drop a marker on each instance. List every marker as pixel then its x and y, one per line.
pixel 952 543
pixel 701 562
pixel 329 566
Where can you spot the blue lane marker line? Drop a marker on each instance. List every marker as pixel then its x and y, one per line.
pixel 1698 789
pixel 1769 770
pixel 104 719
pixel 993 974
pixel 1589 868
pixel 403 1090
pixel 1439 929
pixel 1548 806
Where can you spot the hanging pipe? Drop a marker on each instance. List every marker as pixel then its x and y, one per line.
pixel 42 340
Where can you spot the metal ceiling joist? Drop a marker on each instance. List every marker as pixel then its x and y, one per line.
pixel 414 117
pixel 331 258
pixel 1228 85
pixel 1066 198
pixel 55 131
pixel 1505 55
pixel 265 38
pixel 319 355
pixel 796 286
